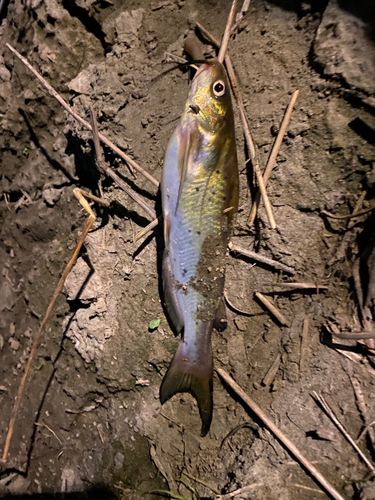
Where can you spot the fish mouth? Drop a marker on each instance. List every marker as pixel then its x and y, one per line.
pixel 195 108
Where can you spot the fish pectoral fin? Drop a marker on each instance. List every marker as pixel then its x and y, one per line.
pixel 220 321
pixel 170 294
pixel 187 146
pixel 182 376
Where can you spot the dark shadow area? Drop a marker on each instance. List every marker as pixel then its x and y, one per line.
pixel 363 9
pixel 3 9
pixel 34 138
pixel 94 493
pixel 364 130
pixel 366 245
pixel 133 185
pixel 299 6
pixel 89 22
pixel 116 208
pixel 84 163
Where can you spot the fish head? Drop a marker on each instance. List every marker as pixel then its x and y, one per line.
pixel 209 100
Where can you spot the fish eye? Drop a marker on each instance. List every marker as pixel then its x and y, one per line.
pixel 219 88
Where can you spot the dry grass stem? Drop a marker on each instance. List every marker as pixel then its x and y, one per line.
pixel 111 173
pixel 49 428
pixel 226 210
pixel 240 15
pixel 130 162
pixel 232 306
pixel 270 375
pixel 147 229
pixel 349 216
pixel 360 399
pixel 214 490
pixel 80 195
pixel 355 335
pixel 178 59
pixel 272 309
pixel 357 208
pixel 299 286
pixel 227 32
pixel 272 158
pixel 363 432
pixel 293 450
pixel 163 467
pixel 318 398
pixel 260 258
pixel 245 125
pixel 307 488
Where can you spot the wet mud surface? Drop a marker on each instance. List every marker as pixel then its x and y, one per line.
pixel 91 425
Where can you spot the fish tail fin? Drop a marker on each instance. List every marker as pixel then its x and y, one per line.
pixel 187 375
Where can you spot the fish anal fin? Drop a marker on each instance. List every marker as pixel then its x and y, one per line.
pixel 183 376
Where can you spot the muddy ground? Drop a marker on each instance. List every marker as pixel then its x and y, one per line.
pixel 91 424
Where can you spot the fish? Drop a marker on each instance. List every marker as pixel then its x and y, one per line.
pixel 199 191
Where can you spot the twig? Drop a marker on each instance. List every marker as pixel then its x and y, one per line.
pixel 234 431
pixel 214 490
pixel 304 341
pixel 131 163
pixel 227 32
pixel 228 496
pixel 163 467
pixel 360 399
pixel 261 258
pixel 270 375
pixel 111 173
pixel 278 315
pixel 363 432
pixel 272 158
pixel 339 252
pixel 341 428
pixel 357 208
pixel 349 216
pixel 280 436
pixel 80 195
pixel 307 488
pixel 231 305
pixel 148 228
pixel 245 125
pixel 262 186
pixel 298 286
pixel 180 427
pixel 355 335
pixel 178 59
pixel 6 199
pixel 49 428
pixel 240 15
